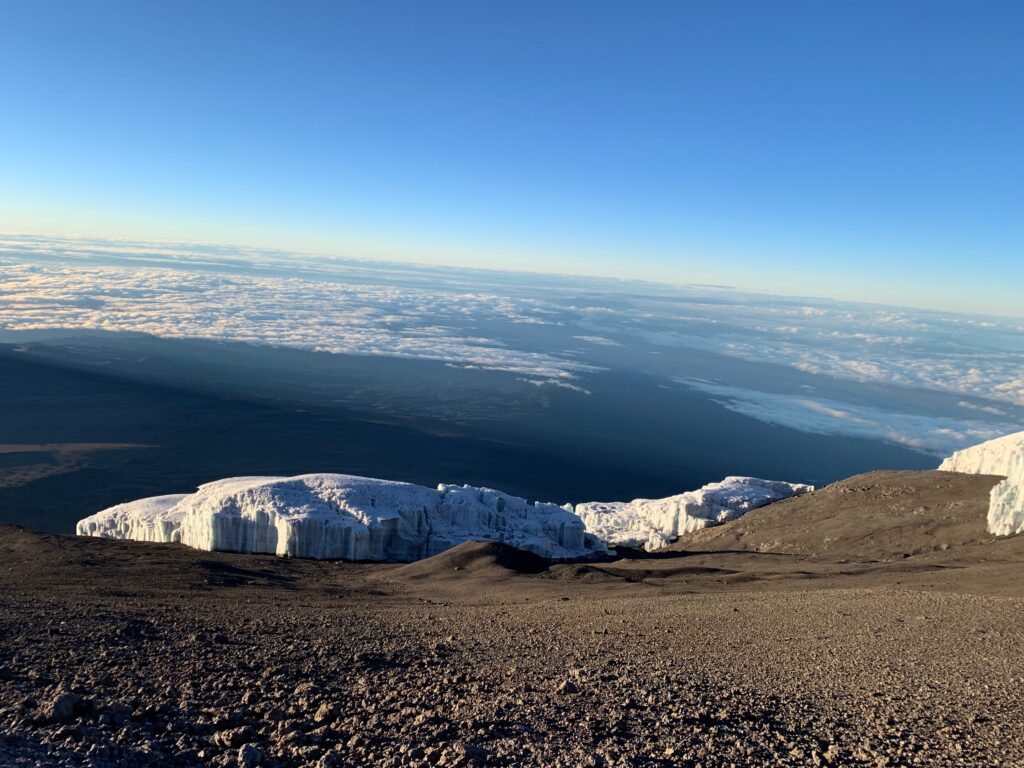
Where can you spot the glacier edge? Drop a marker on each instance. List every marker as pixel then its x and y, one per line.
pixel 335 516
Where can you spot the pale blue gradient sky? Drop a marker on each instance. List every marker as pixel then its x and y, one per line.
pixel 866 151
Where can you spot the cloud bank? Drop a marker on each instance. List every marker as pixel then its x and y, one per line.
pixel 835 367
pixel 323 316
pixel 936 435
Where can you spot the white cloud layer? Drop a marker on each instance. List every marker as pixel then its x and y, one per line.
pixel 544 329
pixel 937 435
pixel 326 316
pixel 979 357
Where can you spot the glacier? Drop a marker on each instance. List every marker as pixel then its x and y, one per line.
pixel 993 457
pixel 333 516
pixel 154 519
pixel 345 517
pixel 653 523
pixel 1002 456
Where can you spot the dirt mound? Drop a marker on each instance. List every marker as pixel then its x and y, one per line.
pixel 32 550
pixel 474 558
pixel 880 515
pixel 586 573
pixel 18 540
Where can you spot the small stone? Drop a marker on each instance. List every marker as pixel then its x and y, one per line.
pixel 61 708
pixel 118 715
pixel 249 755
pixel 568 686
pixel 234 737
pixel 473 753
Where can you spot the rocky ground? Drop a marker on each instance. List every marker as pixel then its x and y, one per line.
pixel 794 642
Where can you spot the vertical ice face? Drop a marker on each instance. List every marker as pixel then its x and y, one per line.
pixel 317 516
pixel 153 519
pixel 513 517
pixel 1002 456
pixel 1006 504
pixel 328 516
pixel 652 523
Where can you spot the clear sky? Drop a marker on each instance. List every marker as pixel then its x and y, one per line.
pixel 868 150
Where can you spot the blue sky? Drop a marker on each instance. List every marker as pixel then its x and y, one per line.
pixel 864 150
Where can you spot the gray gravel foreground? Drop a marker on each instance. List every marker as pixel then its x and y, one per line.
pixel 899 646
pixel 358 670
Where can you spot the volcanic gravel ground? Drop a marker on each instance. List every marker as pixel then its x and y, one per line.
pixel 128 654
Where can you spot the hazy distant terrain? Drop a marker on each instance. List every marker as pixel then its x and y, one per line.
pixel 203 417
pixel 232 362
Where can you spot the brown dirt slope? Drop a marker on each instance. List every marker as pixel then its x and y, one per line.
pixel 878 515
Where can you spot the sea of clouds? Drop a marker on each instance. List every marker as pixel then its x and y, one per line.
pixel 480 319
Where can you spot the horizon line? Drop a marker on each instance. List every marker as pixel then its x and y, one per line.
pixel 425 263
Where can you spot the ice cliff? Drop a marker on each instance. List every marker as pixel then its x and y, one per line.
pixel 154 519
pixel 329 516
pixel 1002 456
pixel 652 523
pixel 989 458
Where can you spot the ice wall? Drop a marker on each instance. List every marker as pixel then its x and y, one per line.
pixel 652 523
pixel 154 519
pixel 992 457
pixel 329 516
pixel 1002 456
pixel 1006 504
